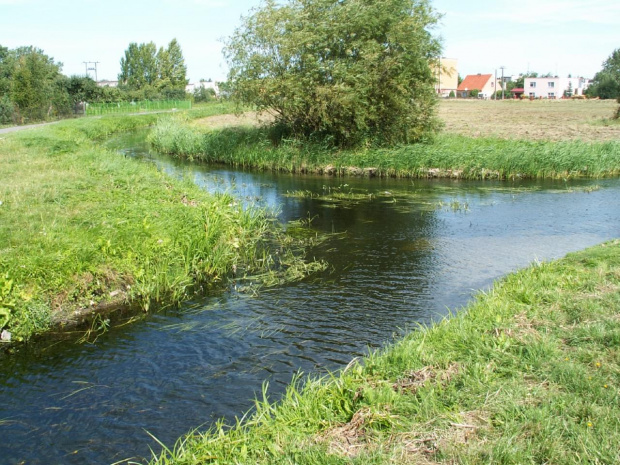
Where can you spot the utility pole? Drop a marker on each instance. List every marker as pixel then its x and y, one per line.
pixel 502 68
pixel 86 63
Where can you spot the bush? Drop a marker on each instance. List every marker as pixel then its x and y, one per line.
pixel 6 110
pixel 351 72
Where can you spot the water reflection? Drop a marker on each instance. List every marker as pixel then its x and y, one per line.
pixel 401 258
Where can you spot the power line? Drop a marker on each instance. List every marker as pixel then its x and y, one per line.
pixel 86 63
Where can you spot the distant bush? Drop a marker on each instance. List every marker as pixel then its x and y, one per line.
pixel 203 94
pixel 6 110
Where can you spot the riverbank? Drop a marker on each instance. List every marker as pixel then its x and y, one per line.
pixel 527 373
pixel 84 229
pixel 509 151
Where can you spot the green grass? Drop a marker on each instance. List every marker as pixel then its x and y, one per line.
pixel 527 373
pixel 136 107
pixel 82 226
pixel 446 156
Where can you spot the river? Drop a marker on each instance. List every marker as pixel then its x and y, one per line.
pixel 405 252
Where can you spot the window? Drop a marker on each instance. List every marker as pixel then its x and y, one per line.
pixel 551 95
pixel 551 84
pixel 533 84
pixel 532 94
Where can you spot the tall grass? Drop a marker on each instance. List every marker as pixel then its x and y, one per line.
pixel 93 109
pixel 446 156
pixel 81 226
pixel 528 373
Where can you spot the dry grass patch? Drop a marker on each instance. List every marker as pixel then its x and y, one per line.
pixel 432 447
pixel 414 380
pixel 549 120
pixel 247 119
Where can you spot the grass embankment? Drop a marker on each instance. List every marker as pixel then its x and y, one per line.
pixel 449 155
pixel 528 373
pixel 82 227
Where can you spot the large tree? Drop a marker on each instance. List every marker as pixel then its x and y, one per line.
pixel 139 66
pixel 606 83
pixel 36 90
pixel 145 68
pixel 350 70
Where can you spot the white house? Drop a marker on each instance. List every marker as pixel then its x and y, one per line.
pixel 107 83
pixel 554 87
pixel 190 88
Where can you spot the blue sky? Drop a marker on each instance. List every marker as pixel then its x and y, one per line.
pixel 558 36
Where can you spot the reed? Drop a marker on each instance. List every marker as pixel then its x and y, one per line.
pixel 447 156
pixel 527 373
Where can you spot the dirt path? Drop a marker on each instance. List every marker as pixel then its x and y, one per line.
pixel 28 126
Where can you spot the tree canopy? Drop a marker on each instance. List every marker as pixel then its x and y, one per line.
pixel 352 71
pixel 606 83
pixel 144 68
pixel 31 86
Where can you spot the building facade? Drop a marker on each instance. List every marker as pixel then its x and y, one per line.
pixel 190 88
pixel 554 87
pixel 485 84
pixel 447 77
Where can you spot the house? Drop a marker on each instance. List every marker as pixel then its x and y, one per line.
pixel 107 83
pixel 555 87
pixel 447 77
pixel 485 84
pixel 190 88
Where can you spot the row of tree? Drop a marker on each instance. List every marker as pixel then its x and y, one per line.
pixel 33 88
pixel 606 83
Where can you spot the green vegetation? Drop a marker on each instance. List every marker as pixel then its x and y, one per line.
pixel 349 73
pixel 447 155
pixel 82 227
pixel 606 83
pixel 135 107
pixel 31 86
pixel 528 373
pixel 148 73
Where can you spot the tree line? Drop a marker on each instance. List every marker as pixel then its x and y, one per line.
pixel 33 88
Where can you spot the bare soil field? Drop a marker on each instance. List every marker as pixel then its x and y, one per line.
pixel 552 120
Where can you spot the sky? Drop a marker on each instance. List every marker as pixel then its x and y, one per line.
pixel 557 36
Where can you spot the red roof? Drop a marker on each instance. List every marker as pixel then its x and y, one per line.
pixel 518 89
pixel 475 81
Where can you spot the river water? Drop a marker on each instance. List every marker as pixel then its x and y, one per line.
pixel 405 252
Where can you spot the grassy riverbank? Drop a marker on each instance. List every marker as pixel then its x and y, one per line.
pixel 528 373
pixel 82 227
pixel 449 155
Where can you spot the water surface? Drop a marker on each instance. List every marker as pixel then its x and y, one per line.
pixel 406 252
